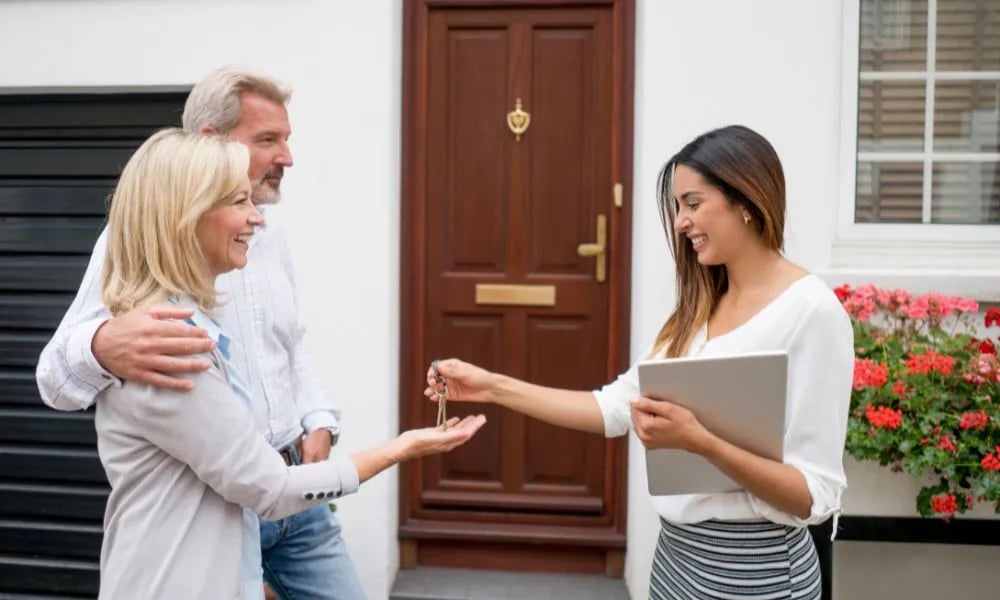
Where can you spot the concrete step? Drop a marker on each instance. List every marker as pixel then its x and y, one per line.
pixel 435 583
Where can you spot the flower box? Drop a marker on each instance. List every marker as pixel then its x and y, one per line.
pixel 924 401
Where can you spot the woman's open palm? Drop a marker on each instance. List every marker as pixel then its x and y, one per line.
pixel 435 440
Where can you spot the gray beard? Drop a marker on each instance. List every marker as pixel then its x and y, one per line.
pixel 262 194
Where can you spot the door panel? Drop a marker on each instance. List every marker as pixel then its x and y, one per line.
pixel 559 461
pixel 479 337
pixel 561 186
pixel 467 150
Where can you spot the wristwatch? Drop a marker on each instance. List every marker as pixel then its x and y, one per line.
pixel 334 434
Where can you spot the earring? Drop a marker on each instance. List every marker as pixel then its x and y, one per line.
pixel 746 219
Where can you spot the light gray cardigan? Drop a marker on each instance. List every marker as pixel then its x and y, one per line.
pixel 181 466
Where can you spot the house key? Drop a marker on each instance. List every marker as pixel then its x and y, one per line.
pixel 442 418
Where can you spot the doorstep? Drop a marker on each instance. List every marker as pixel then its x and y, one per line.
pixel 436 583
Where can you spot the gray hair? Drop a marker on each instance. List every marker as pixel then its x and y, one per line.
pixel 215 100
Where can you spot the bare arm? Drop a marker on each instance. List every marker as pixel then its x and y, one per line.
pixel 212 432
pixel 564 408
pixel 780 485
pixel 415 443
pixel 660 424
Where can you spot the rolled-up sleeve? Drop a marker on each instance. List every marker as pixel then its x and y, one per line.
pixel 68 375
pixel 820 368
pixel 613 401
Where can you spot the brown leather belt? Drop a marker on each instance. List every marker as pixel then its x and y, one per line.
pixel 292 453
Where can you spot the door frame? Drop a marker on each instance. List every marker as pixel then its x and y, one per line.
pixel 413 244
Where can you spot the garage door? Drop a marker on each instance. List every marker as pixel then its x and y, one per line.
pixel 59 158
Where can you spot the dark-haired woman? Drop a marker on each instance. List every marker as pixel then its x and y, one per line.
pixel 722 200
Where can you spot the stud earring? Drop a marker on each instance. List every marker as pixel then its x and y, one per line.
pixel 746 219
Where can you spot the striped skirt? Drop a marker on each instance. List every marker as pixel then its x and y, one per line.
pixel 734 559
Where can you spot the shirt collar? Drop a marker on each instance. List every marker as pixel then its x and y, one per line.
pixel 203 321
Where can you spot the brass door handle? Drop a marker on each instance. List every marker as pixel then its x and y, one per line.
pixel 598 249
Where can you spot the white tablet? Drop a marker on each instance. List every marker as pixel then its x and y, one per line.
pixel 739 398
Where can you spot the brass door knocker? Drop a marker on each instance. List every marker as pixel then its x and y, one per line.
pixel 518 120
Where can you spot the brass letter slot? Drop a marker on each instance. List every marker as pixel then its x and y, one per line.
pixel 515 295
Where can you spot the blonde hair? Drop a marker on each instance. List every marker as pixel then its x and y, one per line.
pixel 745 167
pixel 153 253
pixel 215 100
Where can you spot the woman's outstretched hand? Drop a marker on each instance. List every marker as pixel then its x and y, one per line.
pixel 414 444
pixel 465 382
pixel 435 440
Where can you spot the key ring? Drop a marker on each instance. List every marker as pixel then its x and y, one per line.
pixel 442 418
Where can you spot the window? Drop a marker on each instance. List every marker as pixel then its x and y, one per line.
pixel 919 196
pixel 928 112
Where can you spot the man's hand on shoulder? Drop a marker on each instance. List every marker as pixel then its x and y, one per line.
pixel 151 344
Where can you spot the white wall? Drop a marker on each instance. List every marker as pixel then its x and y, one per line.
pixel 341 198
pixel 773 65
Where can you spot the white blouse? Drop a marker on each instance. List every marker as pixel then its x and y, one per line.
pixel 808 322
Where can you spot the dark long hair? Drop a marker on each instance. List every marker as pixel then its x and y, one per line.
pixel 745 167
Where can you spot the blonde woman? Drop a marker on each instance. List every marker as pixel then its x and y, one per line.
pixel 722 199
pixel 182 465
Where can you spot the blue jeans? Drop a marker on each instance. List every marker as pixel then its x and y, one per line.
pixel 305 557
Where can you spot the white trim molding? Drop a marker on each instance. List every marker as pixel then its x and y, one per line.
pixel 981 285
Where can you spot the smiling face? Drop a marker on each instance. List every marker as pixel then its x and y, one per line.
pixel 264 129
pixel 224 231
pixel 713 225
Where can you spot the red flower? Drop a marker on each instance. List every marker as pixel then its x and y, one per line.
pixel 930 361
pixel 977 420
pixel 919 308
pixel 987 347
pixel 883 416
pixel 899 388
pixel 944 504
pixel 859 306
pixel 990 462
pixel 946 444
pixel 993 317
pixel 843 292
pixel 868 373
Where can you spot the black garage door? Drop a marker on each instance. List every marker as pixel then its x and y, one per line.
pixel 59 158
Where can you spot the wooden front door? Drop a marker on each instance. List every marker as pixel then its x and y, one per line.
pixel 515 258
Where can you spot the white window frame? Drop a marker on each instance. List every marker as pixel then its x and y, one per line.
pixel 952 259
